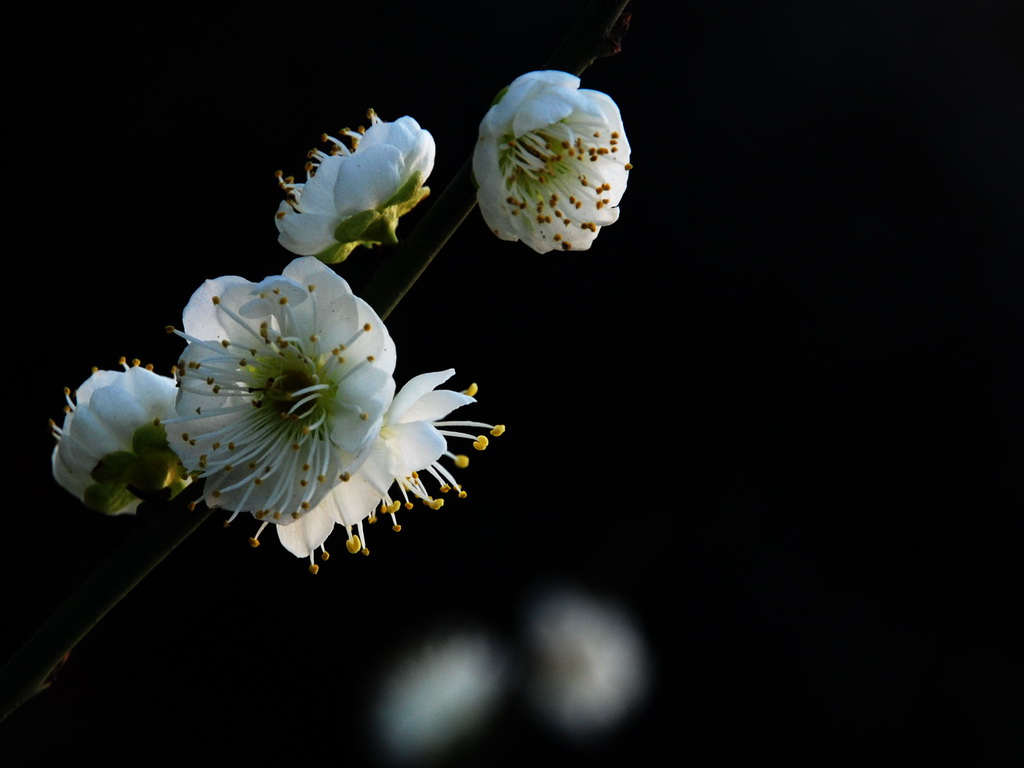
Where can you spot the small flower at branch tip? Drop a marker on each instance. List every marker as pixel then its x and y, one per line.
pixel 406 452
pixel 355 196
pixel 112 450
pixel 551 162
pixel 282 389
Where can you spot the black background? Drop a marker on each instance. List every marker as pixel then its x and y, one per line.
pixel 775 409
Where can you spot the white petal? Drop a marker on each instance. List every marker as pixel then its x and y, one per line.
pixel 415 144
pixel 413 390
pixel 412 447
pixel 201 319
pixel 306 234
pixel 352 502
pixel 367 179
pixel 302 536
pixel 317 195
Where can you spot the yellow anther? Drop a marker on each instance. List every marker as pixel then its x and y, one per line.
pixel 462 461
pixel 396 527
pixel 393 507
pixel 434 503
pixel 254 542
pixel 325 555
pixel 472 389
pixel 498 430
pixel 313 568
pixel 353 545
pixel 365 551
pixel 462 494
pixel 481 442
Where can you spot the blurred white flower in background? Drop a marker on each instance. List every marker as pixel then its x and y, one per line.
pixel 439 696
pixel 588 663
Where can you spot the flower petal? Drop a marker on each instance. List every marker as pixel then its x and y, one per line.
pixel 302 536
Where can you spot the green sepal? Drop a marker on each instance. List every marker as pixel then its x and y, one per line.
pixel 151 437
pixel 113 466
pixel 408 195
pixel 124 476
pixel 108 498
pixel 154 471
pixel 378 227
pixel 501 95
pixel 352 228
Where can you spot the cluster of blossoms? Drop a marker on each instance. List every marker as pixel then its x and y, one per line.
pixel 284 405
pixel 283 402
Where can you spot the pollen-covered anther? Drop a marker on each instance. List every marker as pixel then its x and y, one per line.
pixel 481 442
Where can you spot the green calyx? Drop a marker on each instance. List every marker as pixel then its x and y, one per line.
pixel 151 468
pixel 376 227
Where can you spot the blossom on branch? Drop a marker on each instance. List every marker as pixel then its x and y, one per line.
pixel 407 450
pixel 282 389
pixel 111 451
pixel 551 162
pixel 355 196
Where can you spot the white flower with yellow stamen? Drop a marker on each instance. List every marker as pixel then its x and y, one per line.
pixel 410 444
pixel 355 196
pixel 111 449
pixel 551 162
pixel 282 389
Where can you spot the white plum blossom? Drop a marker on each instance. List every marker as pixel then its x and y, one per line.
pixel 411 442
pixel 110 447
pixel 355 196
pixel 282 389
pixel 551 162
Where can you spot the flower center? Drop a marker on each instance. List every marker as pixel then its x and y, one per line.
pixel 283 392
pixel 555 174
pixel 535 159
